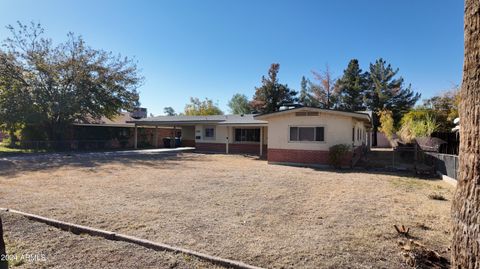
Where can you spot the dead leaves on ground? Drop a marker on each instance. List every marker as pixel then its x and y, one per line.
pixel 417 255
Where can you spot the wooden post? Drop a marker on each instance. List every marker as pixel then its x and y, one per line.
pixel 3 252
pixel 173 140
pixel 155 143
pixel 226 140
pixel 135 138
pixel 261 141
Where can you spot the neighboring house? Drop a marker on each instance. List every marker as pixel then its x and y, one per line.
pixel 301 135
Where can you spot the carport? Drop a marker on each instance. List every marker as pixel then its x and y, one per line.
pixel 216 133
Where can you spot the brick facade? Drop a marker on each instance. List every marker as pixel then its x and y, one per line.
pixel 237 148
pixel 210 147
pixel 188 143
pixel 234 148
pixel 312 157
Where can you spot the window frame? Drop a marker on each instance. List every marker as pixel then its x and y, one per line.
pixel 246 142
pixel 314 133
pixel 205 137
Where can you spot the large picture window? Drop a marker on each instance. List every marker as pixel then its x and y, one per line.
pixel 247 135
pixel 209 132
pixel 307 134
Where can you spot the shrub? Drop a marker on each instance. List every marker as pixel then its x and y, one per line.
pixel 337 154
pixel 417 123
pixel 386 123
pixel 437 196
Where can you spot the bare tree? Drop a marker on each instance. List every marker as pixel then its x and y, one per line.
pixel 466 203
pixel 325 91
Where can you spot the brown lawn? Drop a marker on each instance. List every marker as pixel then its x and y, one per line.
pixel 233 206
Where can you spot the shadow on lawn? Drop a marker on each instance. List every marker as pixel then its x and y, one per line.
pixel 10 167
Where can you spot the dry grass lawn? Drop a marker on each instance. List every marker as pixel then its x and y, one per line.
pixel 236 207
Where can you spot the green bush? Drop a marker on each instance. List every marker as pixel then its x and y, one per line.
pixel 337 154
pixel 417 123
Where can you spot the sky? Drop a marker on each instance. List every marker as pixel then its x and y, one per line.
pixel 214 49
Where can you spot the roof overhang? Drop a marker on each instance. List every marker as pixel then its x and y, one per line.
pixel 172 123
pixel 356 115
pixel 244 124
pixel 121 125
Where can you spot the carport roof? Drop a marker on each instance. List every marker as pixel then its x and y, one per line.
pixel 246 119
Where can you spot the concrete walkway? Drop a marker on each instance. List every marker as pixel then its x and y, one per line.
pixel 34 156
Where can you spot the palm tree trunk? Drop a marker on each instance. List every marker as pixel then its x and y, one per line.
pixel 466 204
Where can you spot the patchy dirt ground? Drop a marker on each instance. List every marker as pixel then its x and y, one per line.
pixel 34 245
pixel 235 207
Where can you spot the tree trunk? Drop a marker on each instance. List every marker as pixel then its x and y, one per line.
pixel 466 203
pixel 3 253
pixel 13 138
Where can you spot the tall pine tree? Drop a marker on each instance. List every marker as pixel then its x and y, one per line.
pixel 351 87
pixel 305 98
pixel 272 94
pixel 385 92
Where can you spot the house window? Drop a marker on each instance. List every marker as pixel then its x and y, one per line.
pixel 353 134
pixel 209 133
pixel 247 135
pixel 307 134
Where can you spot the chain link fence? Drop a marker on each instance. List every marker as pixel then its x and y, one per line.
pixel 447 164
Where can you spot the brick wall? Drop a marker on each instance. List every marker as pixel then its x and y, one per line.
pixel 210 147
pixel 188 143
pixel 237 148
pixel 313 157
pixel 234 148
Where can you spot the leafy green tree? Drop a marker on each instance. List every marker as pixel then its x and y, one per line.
pixel 324 93
pixel 387 92
pixel 271 95
pixel 417 123
pixel 239 104
pixel 15 103
pixel 445 107
pixel 305 98
pixel 202 108
pixel 169 111
pixel 386 123
pixel 63 83
pixel 351 87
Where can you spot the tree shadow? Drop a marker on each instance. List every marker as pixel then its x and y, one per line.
pixel 11 167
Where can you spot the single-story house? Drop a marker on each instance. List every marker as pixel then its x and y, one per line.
pixel 300 135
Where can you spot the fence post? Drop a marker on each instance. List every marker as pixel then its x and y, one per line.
pixel 393 158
